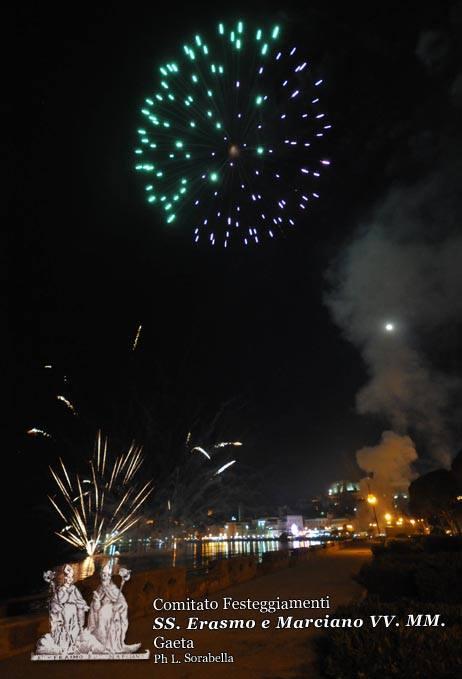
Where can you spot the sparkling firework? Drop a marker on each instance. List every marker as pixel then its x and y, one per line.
pixel 66 402
pixel 201 450
pixel 193 485
pixel 96 516
pixel 137 337
pixel 225 444
pixel 225 466
pixel 38 432
pixel 231 136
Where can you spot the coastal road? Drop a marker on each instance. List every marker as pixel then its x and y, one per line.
pixel 257 653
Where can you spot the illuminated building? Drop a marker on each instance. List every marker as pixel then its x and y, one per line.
pixel 343 498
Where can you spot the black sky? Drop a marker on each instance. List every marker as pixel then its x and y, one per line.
pixel 90 261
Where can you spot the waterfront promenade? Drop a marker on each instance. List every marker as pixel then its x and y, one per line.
pixel 260 654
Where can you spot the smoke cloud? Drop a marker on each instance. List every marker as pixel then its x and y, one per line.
pixel 390 462
pixel 395 291
pixel 388 275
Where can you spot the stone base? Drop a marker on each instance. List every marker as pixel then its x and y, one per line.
pixel 92 656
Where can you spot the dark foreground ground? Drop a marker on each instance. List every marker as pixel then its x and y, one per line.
pixel 260 654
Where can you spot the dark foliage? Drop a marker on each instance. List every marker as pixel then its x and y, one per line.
pixel 423 577
pixel 411 652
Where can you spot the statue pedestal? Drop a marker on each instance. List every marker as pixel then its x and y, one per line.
pixel 92 656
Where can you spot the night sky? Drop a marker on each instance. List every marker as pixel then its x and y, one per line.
pixel 91 260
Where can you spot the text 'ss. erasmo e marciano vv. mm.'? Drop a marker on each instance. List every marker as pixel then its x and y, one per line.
pixel 286 614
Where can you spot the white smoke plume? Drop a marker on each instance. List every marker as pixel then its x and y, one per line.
pixel 389 469
pixel 390 462
pixel 394 289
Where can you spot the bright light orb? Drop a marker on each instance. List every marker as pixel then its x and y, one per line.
pixel 389 327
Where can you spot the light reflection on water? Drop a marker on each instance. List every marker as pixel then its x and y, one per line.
pixel 88 566
pixel 192 555
pixel 144 555
pixel 198 554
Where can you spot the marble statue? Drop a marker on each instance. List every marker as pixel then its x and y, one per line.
pixel 67 615
pixel 108 620
pixel 104 635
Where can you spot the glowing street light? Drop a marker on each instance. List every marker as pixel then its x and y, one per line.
pixel 389 327
pixel 372 500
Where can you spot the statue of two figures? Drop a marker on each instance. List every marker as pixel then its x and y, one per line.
pixel 107 618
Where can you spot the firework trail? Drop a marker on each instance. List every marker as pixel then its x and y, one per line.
pixel 192 487
pixel 201 450
pixel 109 506
pixel 67 403
pixel 137 337
pixel 225 466
pixel 38 432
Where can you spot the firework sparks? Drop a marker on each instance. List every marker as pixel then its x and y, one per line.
pixel 67 403
pixel 38 432
pixel 137 337
pixel 201 450
pixel 100 515
pixel 194 484
pixel 214 133
pixel 225 466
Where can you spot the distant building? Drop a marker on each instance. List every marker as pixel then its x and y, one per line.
pixel 339 488
pixel 270 526
pixel 316 506
pixel 319 523
pixel 343 498
pixel 343 524
pixel 401 502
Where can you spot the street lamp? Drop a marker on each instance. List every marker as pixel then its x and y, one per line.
pixel 372 500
